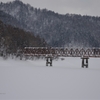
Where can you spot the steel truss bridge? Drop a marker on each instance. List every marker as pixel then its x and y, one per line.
pixel 54 52
pixel 61 52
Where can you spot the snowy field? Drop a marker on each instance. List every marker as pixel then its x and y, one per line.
pixel 65 80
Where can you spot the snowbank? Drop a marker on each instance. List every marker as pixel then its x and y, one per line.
pixel 65 80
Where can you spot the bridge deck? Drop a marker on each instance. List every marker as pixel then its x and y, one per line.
pixel 66 52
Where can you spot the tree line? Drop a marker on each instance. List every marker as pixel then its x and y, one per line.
pixel 13 39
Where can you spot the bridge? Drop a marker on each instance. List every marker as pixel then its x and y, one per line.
pixel 53 52
pixel 64 52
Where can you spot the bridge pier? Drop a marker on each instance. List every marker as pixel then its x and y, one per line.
pixel 85 62
pixel 48 61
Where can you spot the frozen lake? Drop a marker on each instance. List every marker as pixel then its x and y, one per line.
pixel 65 80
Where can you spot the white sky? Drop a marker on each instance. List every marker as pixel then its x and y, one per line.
pixel 83 7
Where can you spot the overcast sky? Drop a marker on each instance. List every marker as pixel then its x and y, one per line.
pixel 83 7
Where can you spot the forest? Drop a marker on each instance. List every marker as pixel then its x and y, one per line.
pixel 13 39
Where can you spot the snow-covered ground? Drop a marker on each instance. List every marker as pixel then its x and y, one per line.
pixel 65 80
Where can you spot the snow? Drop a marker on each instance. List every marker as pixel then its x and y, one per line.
pixel 65 80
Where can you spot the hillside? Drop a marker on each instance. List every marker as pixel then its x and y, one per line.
pixel 9 20
pixel 12 39
pixel 58 30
